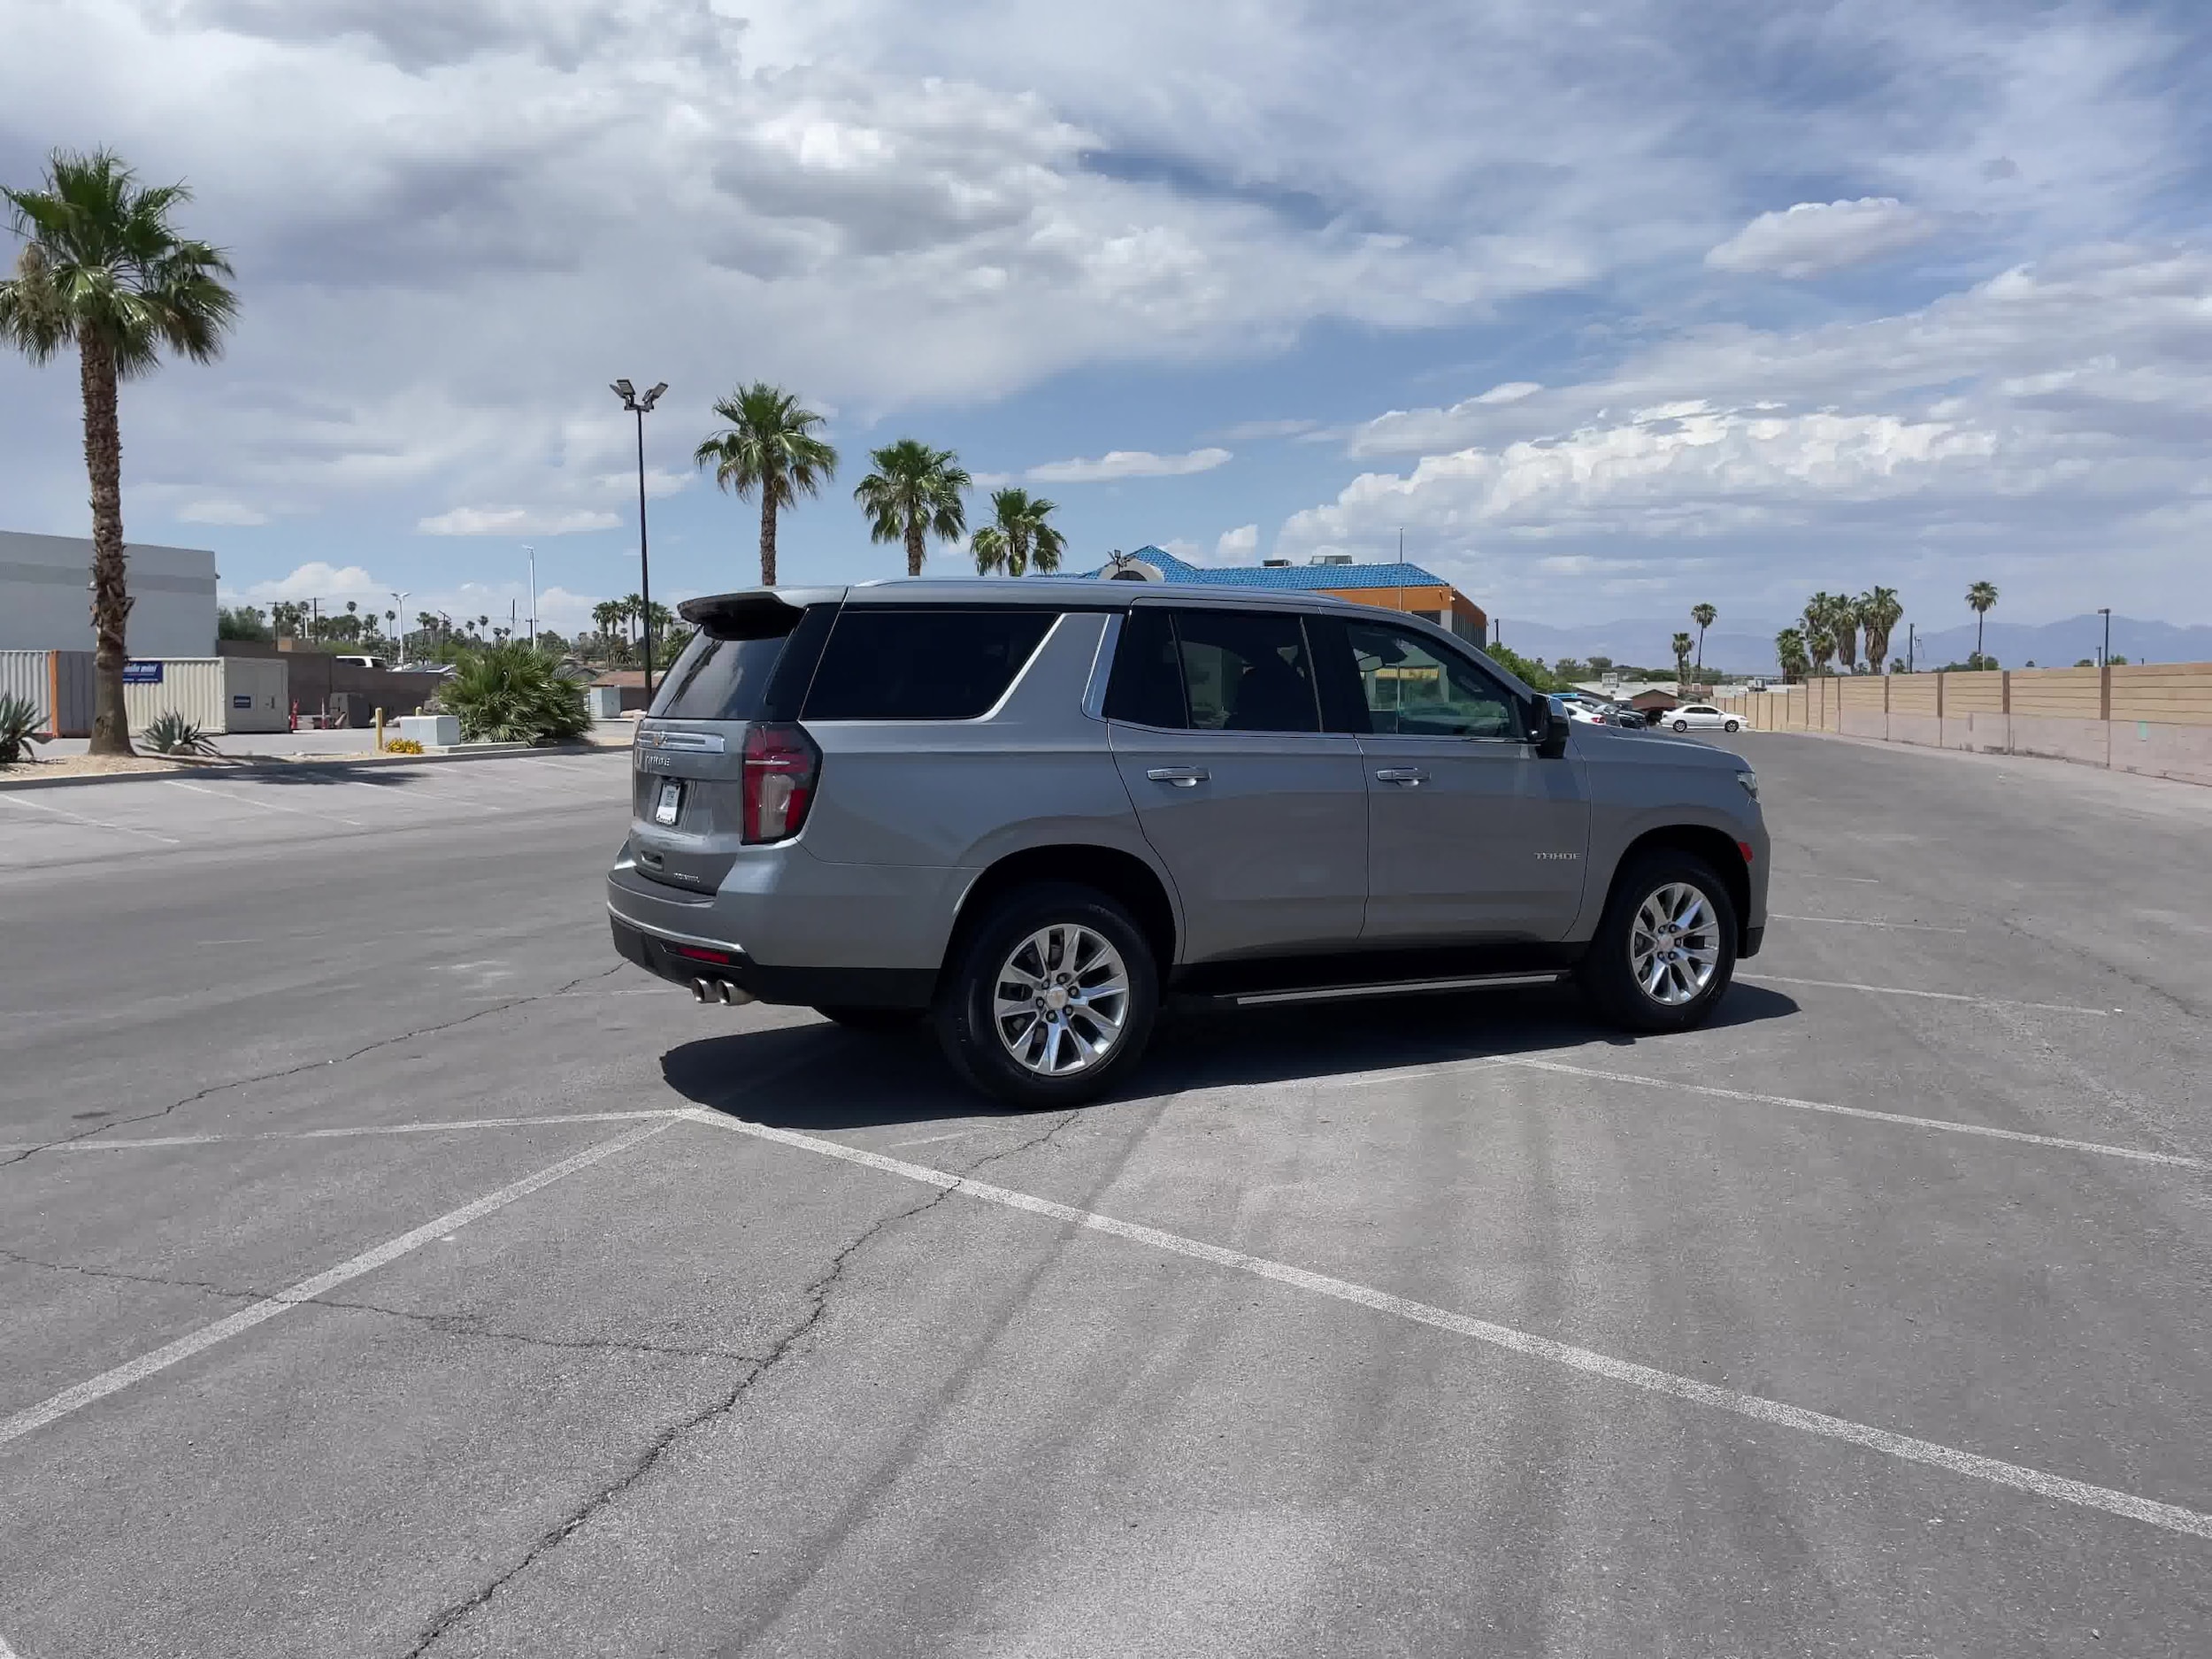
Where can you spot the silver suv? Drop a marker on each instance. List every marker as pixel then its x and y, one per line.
pixel 1029 810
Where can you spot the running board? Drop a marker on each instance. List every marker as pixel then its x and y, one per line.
pixel 1386 988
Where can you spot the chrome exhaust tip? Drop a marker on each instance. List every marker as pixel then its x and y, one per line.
pixel 699 991
pixel 728 992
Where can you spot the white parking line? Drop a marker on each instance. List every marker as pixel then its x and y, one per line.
pixel 1860 921
pixel 2036 1482
pixel 266 806
pixel 2172 1160
pixel 154 1142
pixel 1820 875
pixel 106 1383
pixel 79 818
pixel 1940 996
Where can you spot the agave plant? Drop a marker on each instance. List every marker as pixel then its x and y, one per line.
pixel 171 733
pixel 510 694
pixel 17 721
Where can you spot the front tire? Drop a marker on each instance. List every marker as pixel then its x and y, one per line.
pixel 1665 949
pixel 1732 726
pixel 1051 1000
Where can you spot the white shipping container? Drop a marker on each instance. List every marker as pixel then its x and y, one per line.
pixel 217 693
pixel 29 675
pixel 257 693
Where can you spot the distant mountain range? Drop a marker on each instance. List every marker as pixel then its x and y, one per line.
pixel 1749 648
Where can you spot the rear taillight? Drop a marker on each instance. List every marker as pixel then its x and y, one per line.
pixel 781 765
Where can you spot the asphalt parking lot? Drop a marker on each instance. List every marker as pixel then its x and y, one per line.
pixel 390 1270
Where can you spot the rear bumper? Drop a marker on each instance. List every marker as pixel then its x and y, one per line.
pixel 664 954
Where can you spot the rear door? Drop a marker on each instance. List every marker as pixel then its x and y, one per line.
pixel 1260 815
pixel 1472 836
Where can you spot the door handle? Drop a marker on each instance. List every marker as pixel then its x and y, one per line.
pixel 1181 777
pixel 1412 777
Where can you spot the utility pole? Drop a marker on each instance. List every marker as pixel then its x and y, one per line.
pixel 641 407
pixel 2105 657
pixel 1909 637
pixel 532 554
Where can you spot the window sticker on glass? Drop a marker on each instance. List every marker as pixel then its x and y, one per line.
pixel 671 802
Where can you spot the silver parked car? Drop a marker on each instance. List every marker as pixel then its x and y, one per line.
pixel 1029 811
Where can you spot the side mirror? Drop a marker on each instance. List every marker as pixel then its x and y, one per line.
pixel 1547 730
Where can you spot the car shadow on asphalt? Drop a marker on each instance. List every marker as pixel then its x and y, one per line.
pixel 817 1076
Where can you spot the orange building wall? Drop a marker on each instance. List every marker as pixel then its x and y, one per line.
pixel 1469 618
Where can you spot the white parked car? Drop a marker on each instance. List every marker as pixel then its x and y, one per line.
pixel 1693 716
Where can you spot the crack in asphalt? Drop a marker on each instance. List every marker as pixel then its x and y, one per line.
pixel 818 1293
pixel 311 1066
pixel 447 1323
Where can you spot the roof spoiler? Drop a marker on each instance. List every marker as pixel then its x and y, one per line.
pixel 758 615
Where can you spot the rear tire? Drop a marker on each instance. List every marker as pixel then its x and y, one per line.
pixel 1050 999
pixel 1665 949
pixel 872 1018
pixel 1681 726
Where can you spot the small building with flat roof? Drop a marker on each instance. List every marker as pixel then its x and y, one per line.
pixel 1396 586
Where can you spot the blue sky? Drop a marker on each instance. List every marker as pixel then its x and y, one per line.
pixel 1608 308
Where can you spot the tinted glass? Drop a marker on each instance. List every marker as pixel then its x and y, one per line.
pixel 719 679
pixel 882 664
pixel 1247 671
pixel 1415 689
pixel 1147 685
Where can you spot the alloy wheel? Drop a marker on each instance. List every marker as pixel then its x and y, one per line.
pixel 1674 947
pixel 1060 1001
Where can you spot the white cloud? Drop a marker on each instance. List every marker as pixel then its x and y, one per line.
pixel 1118 464
pixel 218 509
pixel 1239 544
pixel 516 521
pixel 318 580
pixel 1249 430
pixel 1509 392
pixel 1815 237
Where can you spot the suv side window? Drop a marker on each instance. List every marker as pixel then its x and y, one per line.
pixel 1247 671
pixel 921 663
pixel 1414 689
pixel 1146 686
pixel 1213 670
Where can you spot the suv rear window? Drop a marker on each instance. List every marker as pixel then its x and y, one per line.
pixel 728 670
pixel 888 663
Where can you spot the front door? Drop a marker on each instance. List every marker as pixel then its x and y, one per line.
pixel 1472 836
pixel 1259 815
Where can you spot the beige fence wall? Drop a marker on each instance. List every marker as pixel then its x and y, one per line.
pixel 2152 718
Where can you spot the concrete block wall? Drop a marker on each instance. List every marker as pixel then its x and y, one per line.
pixel 2150 717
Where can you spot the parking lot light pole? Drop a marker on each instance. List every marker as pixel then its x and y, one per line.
pixel 399 601
pixel 2105 612
pixel 641 407
pixel 532 554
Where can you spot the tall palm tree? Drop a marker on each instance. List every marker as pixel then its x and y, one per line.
pixel 1879 612
pixel 103 269
pixel 1704 616
pixel 1789 651
pixel 1020 534
pixel 1820 643
pixel 914 494
pixel 770 446
pixel 1979 598
pixel 1682 664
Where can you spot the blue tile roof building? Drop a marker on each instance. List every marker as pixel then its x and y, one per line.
pixel 1299 578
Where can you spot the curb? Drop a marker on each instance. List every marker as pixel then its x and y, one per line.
pixel 331 762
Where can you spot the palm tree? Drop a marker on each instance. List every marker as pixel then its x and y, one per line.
pixel 1789 651
pixel 1020 534
pixel 1820 643
pixel 1704 616
pixel 103 269
pixel 1878 611
pixel 606 617
pixel 914 494
pixel 770 446
pixel 1681 665
pixel 1979 598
